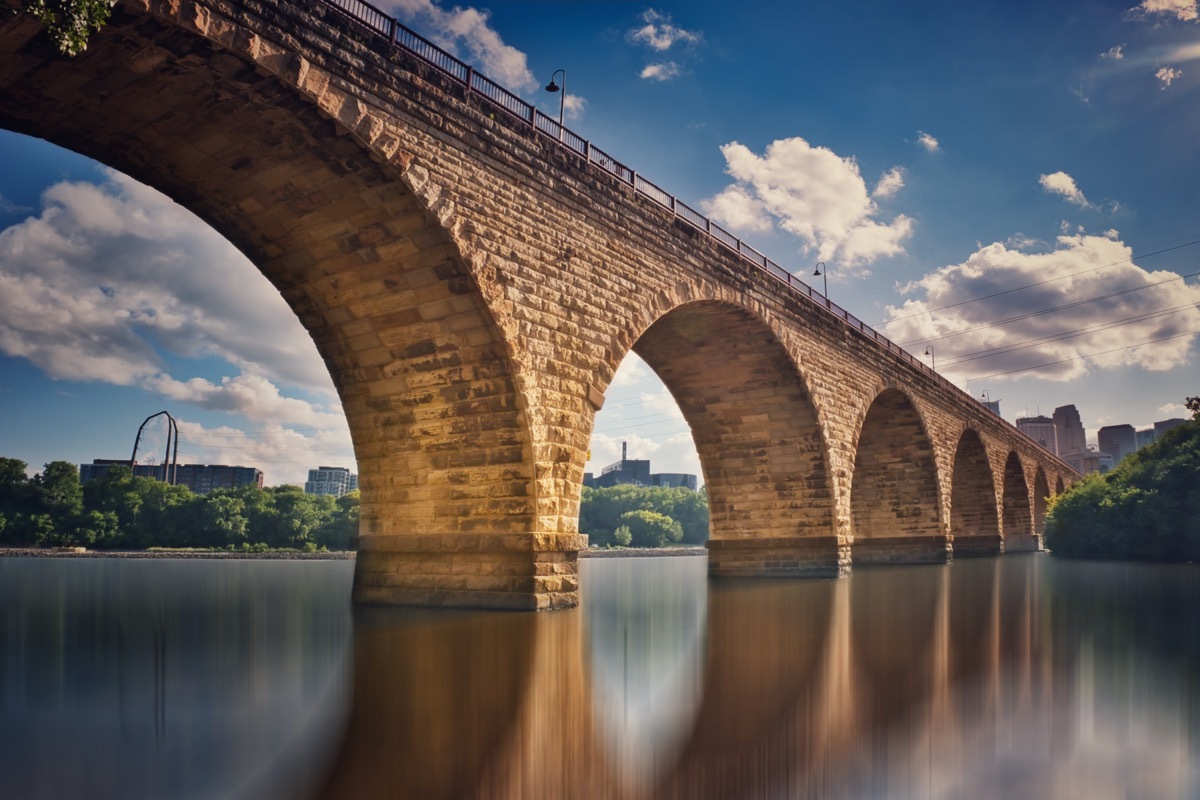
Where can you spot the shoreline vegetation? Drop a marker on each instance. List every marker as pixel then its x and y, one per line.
pixel 1145 509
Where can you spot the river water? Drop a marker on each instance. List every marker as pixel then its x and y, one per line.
pixel 1021 676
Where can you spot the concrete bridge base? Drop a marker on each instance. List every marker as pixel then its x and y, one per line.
pixel 499 571
pixel 977 546
pixel 903 550
pixel 816 556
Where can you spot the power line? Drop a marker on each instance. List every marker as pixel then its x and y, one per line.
pixel 1063 307
pixel 1086 355
pixel 1058 337
pixel 1041 283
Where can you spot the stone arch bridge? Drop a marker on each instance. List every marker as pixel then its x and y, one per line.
pixel 473 275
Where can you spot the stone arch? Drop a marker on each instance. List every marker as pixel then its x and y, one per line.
pixel 1017 520
pixel 1041 494
pixel 894 498
pixel 367 252
pixel 756 432
pixel 1059 487
pixel 973 520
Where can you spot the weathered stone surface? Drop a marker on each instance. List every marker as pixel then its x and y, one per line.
pixel 473 287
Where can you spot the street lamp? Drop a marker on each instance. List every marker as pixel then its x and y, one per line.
pixel 818 274
pixel 562 100
pixel 932 357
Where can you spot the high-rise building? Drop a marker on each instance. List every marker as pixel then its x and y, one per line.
pixel 202 478
pixel 1165 425
pixel 1072 438
pixel 992 406
pixel 1041 430
pixel 336 481
pixel 1117 441
pixel 1145 437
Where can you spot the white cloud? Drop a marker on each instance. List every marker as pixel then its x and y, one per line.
pixel 1167 75
pixel 573 106
pixel 661 72
pixel 250 396
pixel 1174 410
pixel 107 281
pixel 283 453
pixel 658 33
pixel 1063 185
pixel 1184 10
pixel 1133 310
pixel 812 193
pixel 928 142
pixel 9 207
pixel 470 28
pixel 1114 53
pixel 889 183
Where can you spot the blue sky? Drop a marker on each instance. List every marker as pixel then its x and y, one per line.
pixel 1012 185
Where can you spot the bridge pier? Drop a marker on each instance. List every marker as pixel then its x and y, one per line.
pixel 970 546
pixel 935 549
pixel 811 556
pixel 523 572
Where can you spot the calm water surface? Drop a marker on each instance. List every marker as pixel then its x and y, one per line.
pixel 1013 677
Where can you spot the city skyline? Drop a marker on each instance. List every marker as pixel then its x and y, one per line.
pixel 1015 203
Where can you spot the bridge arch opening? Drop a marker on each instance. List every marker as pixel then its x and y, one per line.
pixel 338 224
pixel 1018 522
pixel 1059 486
pixel 1041 497
pixel 894 493
pixel 757 437
pixel 973 519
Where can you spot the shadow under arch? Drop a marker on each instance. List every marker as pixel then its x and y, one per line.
pixel 1041 495
pixel 1059 486
pixel 335 220
pixel 973 519
pixel 756 431
pixel 894 500
pixel 1018 521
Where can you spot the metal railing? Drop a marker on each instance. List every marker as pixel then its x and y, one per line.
pixel 401 37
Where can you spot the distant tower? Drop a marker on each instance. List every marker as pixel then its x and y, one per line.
pixel 1072 438
pixel 1117 441
pixel 1041 430
pixel 624 450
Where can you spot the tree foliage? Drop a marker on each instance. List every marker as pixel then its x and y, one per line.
pixel 70 22
pixel 1148 508
pixel 603 512
pixel 119 510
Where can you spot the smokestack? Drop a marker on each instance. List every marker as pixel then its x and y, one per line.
pixel 624 445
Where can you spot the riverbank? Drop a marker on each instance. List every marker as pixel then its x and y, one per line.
pixel 348 555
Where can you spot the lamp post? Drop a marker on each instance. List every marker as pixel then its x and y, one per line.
pixel 932 357
pixel 562 100
pixel 818 274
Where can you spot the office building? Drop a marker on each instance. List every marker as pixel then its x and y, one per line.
pixel 100 466
pixel 1145 437
pixel 202 478
pixel 1041 430
pixel 336 481
pixel 1117 441
pixel 1167 424
pixel 1072 438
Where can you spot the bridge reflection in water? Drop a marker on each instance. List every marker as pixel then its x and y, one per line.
pixel 1020 676
pixel 987 678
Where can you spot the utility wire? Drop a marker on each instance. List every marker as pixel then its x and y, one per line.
pixel 1085 355
pixel 1041 283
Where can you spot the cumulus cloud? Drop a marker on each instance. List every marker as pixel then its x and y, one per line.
pixel 1183 10
pixel 812 193
pixel 661 72
pixel 284 453
pixel 109 279
pixel 1114 53
pixel 889 184
pixel 1053 329
pixel 928 142
pixel 658 33
pixel 1168 75
pixel 1063 185
pixel 116 284
pixel 468 28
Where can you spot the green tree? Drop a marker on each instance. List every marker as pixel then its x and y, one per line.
pixel 16 500
pixel 70 22
pixel 341 530
pixel 58 491
pixel 601 510
pixel 650 529
pixel 219 519
pixel 1148 508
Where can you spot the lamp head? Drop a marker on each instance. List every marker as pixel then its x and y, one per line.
pixel 817 271
pixel 552 86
